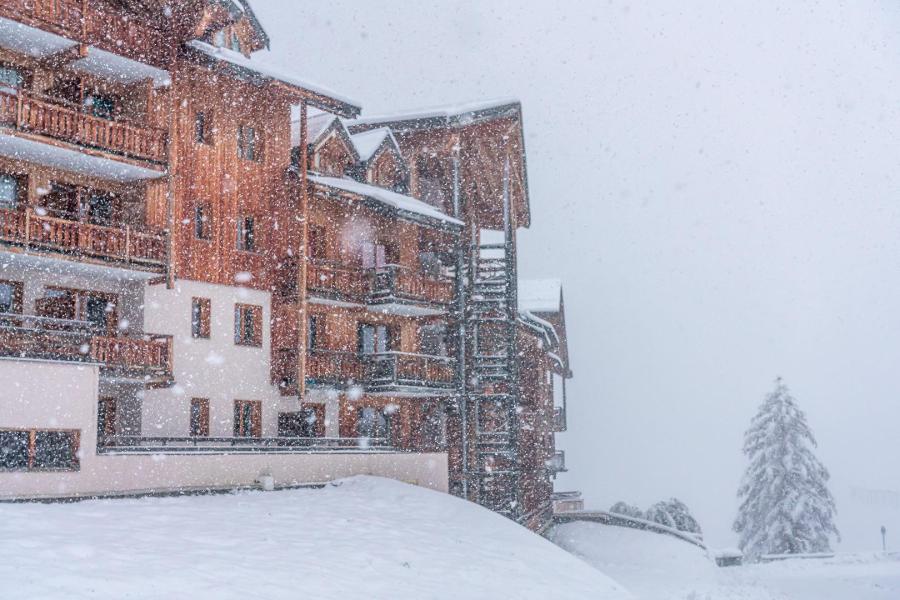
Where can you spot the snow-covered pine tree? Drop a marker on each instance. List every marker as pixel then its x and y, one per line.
pixel 674 513
pixel 629 510
pixel 786 507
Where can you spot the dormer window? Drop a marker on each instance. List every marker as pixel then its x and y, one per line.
pixel 235 42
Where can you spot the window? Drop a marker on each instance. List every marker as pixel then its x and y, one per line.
pixel 9 191
pixel 380 254
pixel 312 332
pixel 434 426
pixel 39 450
pixel 373 423
pixel 99 208
pixel 202 229
pixel 433 339
pixel 246 234
pixel 308 422
pixel 107 411
pixel 374 339
pixel 235 42
pixel 430 177
pixel 247 325
pixel 100 105
pixel 202 128
pixel 200 316
pixel 248 143
pixel 247 418
pixel 11 79
pixel 219 38
pixel 199 417
pixel 10 297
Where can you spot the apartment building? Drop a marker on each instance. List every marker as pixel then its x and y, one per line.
pixel 198 290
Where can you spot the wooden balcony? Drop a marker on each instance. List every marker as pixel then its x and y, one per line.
pixel 382 286
pixel 380 372
pixel 394 283
pixel 121 246
pixel 100 24
pixel 146 358
pixel 38 115
pixel 336 281
pixel 131 444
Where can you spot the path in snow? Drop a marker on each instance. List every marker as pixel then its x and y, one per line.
pixel 364 538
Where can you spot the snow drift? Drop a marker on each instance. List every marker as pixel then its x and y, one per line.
pixel 362 537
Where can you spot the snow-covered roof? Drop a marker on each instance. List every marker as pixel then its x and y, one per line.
pixel 540 295
pixel 316 124
pixel 368 142
pixel 454 114
pixel 393 200
pixel 259 67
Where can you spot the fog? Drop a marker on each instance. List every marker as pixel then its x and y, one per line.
pixel 717 188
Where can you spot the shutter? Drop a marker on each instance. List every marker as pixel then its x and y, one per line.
pixel 257 316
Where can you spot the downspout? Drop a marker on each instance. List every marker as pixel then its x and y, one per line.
pixel 461 320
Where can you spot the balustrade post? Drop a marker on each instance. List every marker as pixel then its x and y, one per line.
pixel 128 243
pixel 27 227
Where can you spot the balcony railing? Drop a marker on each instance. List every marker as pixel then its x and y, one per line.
pixel 45 116
pixel 147 357
pixel 380 371
pixel 111 30
pixel 333 367
pixel 559 419
pixel 377 285
pixel 124 244
pixel 557 462
pixel 213 445
pixel 391 369
pixel 402 283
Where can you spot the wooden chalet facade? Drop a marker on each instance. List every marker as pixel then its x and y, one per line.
pixel 222 278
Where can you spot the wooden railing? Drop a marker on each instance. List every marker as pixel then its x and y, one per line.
pixel 395 281
pixel 29 336
pixel 377 285
pixel 335 280
pixel 64 16
pixel 45 116
pixel 153 354
pixel 407 369
pixel 333 366
pixel 124 244
pixel 102 24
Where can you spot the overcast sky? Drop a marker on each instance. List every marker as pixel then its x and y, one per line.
pixel 716 184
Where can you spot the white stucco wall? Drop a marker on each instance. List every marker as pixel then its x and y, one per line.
pixel 44 394
pixel 214 368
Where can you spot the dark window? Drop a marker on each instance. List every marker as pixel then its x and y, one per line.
pixel 374 339
pixel 381 254
pixel 107 411
pixel 430 176
pixel 11 297
pixel 201 221
pixel 246 234
pixel 308 422
pixel 99 208
pixel 373 423
pixel 202 128
pixel 11 79
pixel 433 339
pixel 247 325
pixel 247 418
pixel 36 450
pixel 248 143
pixel 312 332
pixel 200 318
pixel 100 105
pixel 9 191
pixel 199 417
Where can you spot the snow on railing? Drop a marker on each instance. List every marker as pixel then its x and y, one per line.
pixel 203 444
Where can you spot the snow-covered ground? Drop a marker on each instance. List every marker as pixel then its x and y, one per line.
pixel 659 567
pixel 362 538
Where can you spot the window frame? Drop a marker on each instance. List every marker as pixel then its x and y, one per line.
pixel 255 407
pixel 249 143
pixel 244 336
pixel 32 450
pixel 244 242
pixel 203 128
pixel 199 428
pixel 202 221
pixel 201 315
